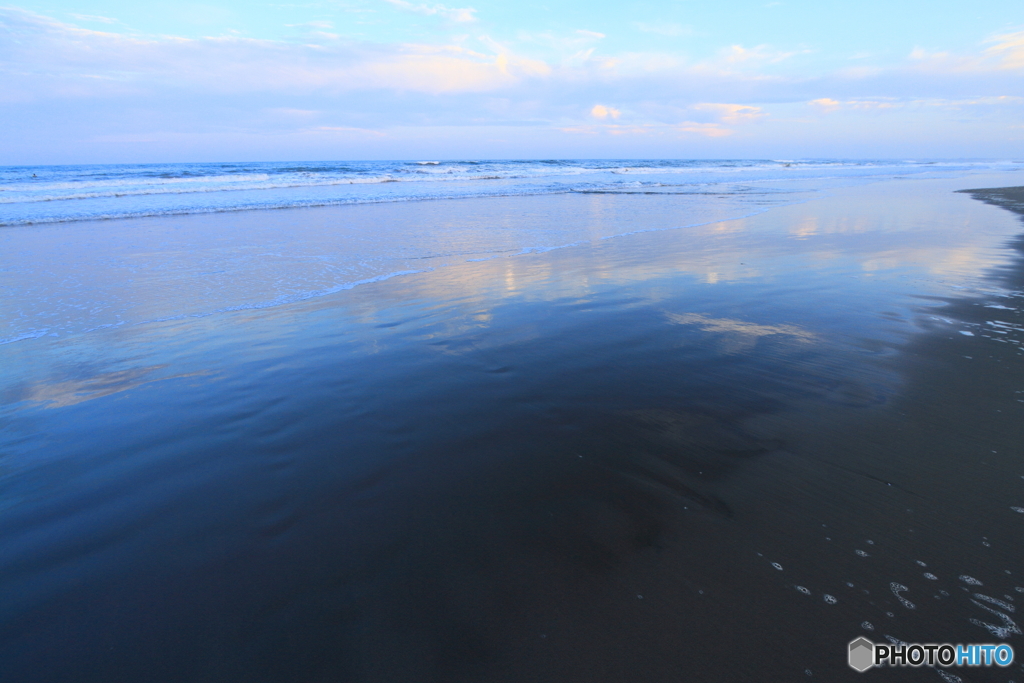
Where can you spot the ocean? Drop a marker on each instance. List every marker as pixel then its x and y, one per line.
pixel 46 194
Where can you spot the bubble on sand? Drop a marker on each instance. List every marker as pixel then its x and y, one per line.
pixel 970 580
pixel 998 603
pixel 997 631
pixel 849 584
pixel 948 677
pixel 867 626
pixel 870 542
pixel 1004 631
pixel 896 589
pixel 861 553
pixel 830 599
pixel 1017 509
pixel 932 577
pixel 805 591
pixel 921 563
pixel 777 566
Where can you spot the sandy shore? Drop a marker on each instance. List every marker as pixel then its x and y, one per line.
pixel 710 454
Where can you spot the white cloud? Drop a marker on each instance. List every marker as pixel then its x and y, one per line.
pixel 761 54
pixel 457 14
pixel 94 18
pixel 1006 54
pixel 731 113
pixel 1008 50
pixel 664 28
pixel 600 111
pixel 826 104
pixel 711 130
pixel 685 128
pixel 53 58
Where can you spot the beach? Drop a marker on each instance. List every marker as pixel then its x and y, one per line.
pixel 623 433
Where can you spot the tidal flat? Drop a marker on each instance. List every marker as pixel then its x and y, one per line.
pixel 649 453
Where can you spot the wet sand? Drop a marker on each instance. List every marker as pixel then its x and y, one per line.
pixel 702 455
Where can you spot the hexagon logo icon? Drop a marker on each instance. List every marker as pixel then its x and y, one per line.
pixel 862 654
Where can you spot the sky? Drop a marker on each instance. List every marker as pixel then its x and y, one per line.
pixel 112 81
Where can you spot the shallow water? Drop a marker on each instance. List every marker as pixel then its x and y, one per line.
pixel 662 456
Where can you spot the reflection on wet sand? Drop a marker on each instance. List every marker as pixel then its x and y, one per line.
pixel 741 335
pixel 68 392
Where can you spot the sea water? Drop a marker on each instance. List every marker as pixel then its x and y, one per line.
pixel 66 267
pixel 45 194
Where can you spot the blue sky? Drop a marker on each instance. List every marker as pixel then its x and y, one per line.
pixel 114 81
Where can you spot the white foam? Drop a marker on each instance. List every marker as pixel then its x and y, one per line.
pixel 998 603
pixel 1009 626
pixel 898 588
